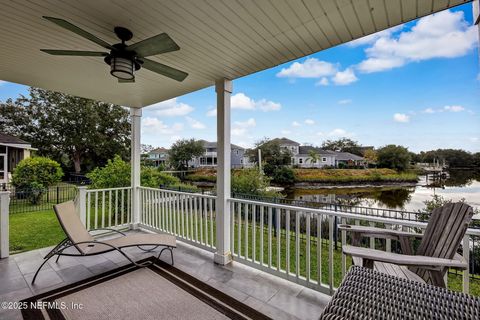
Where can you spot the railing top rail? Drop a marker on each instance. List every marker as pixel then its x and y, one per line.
pixel 340 214
pixel 108 189
pixel 200 195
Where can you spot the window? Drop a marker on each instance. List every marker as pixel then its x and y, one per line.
pixel 300 160
pixel 324 159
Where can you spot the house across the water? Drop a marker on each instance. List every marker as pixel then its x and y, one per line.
pixel 12 151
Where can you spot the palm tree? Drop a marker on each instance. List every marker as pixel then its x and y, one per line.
pixel 313 157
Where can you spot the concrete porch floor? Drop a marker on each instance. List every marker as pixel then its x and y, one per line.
pixel 275 297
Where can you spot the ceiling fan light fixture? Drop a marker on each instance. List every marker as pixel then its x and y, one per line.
pixel 122 68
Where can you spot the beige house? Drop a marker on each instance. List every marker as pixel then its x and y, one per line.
pixel 12 151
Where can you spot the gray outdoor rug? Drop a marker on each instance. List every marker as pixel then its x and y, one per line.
pixel 156 292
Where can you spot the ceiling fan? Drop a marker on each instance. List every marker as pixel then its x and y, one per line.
pixel 124 59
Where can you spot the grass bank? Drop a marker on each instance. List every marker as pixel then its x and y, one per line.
pixel 352 176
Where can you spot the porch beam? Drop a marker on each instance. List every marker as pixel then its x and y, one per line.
pixel 223 88
pixel 136 117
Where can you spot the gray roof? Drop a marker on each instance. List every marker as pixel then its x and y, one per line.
pixel 345 156
pixel 208 144
pixel 158 150
pixel 285 141
pixel 304 150
pixel 5 138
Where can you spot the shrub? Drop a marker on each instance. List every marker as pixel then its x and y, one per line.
pixel 283 175
pixel 117 173
pixel 35 175
pixel 252 182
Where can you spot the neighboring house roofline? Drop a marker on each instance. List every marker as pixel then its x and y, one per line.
pixel 285 141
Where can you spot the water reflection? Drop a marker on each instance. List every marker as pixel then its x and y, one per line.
pixel 459 185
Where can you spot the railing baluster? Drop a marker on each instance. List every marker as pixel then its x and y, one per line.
pixel 344 242
pixel 174 212
pixel 270 237
pixel 103 209
pixel 116 207
pixel 232 226
pixel 96 210
pixel 122 218
pixel 278 212
pixel 330 252
pixel 319 249
pixel 196 218
pixel 287 242
pixel 239 228
pixel 372 239
pixel 261 233
pixel 297 243
pixel 202 211
pixel 245 217
pixel 110 208
pixel 211 203
pixel 254 222
pixel 183 215
pixel 307 253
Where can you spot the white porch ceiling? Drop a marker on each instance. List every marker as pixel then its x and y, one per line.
pixel 218 39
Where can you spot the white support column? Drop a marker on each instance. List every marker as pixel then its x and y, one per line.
pixel 136 115
pixel 223 89
pixel 4 224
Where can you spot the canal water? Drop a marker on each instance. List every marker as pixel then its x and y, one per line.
pixel 459 185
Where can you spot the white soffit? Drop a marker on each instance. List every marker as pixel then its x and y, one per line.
pixel 218 39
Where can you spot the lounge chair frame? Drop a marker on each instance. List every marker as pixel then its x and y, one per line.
pixel 67 243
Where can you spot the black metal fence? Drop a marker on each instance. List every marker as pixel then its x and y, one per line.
pixel 31 200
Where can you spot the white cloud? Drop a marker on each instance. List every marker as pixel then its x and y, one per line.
pixel 266 105
pixel 345 101
pixel 195 124
pixel 242 101
pixel 401 117
pixel 340 133
pixel 295 124
pixel 309 122
pixel 345 77
pixel 371 38
pixel 285 132
pixel 212 112
pixel 170 108
pixel 454 108
pixel 429 110
pixel 240 128
pixel 474 139
pixel 319 133
pixel 443 35
pixel 310 68
pixel 323 82
pixel 153 125
pixel 2 82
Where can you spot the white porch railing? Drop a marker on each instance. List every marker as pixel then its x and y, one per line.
pixel 106 208
pixel 188 216
pixel 291 242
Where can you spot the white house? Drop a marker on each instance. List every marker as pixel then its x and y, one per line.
pixel 158 157
pixel 12 151
pixel 327 158
pixel 209 157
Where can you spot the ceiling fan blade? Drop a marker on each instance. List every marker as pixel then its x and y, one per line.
pixel 126 81
pixel 164 70
pixel 75 53
pixel 160 43
pixel 73 28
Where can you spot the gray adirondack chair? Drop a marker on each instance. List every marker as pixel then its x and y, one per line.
pixel 436 253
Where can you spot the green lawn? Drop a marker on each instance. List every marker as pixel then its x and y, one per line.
pixel 40 229
pixel 33 230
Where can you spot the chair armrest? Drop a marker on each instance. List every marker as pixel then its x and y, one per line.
pixel 425 262
pixel 378 232
pixel 108 229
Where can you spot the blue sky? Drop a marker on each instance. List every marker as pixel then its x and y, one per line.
pixel 417 85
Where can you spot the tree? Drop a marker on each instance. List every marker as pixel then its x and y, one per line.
pixel 272 153
pixel 394 157
pixel 34 175
pixel 183 151
pixel 343 145
pixel 454 158
pixel 313 157
pixel 371 156
pixel 77 132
